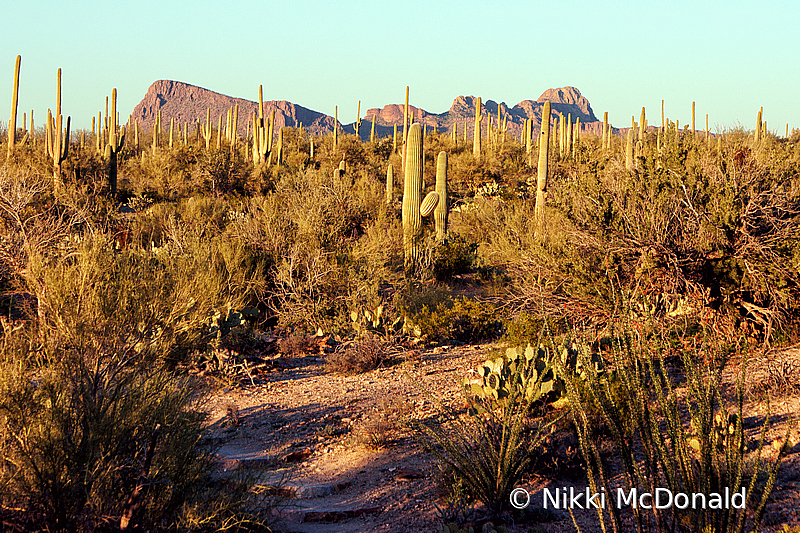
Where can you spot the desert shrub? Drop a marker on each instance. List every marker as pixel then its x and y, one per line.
pixel 453 256
pixel 295 344
pixel 222 171
pixel 463 320
pixel 84 388
pixel 364 354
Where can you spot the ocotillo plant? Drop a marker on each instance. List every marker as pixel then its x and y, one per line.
pixel 114 146
pixel 12 123
pixel 440 213
pixel 476 135
pixel 412 190
pixel 541 182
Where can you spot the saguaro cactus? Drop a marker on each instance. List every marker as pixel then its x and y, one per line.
pixel 476 136
pixel 629 150
pixel 335 127
pixel 642 125
pixel 759 124
pixel 58 141
pixel 115 145
pixel 389 184
pixel 405 131
pixel 12 123
pixel 357 125
pixel 440 213
pixel 412 190
pixel 541 182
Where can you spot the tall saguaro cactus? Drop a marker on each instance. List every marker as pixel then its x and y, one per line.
pixel 629 150
pixel 115 144
pixel 357 124
pixel 58 140
pixel 12 123
pixel 440 213
pixel 412 192
pixel 541 182
pixel 389 184
pixel 405 131
pixel 476 135
pixel 335 127
pixel 759 124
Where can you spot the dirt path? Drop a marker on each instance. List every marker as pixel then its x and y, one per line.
pixel 352 464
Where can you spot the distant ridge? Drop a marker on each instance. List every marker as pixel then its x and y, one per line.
pixel 188 103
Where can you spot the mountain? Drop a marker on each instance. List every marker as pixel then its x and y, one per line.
pixel 188 103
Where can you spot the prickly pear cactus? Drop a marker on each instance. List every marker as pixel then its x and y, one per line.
pixel 222 322
pixel 530 372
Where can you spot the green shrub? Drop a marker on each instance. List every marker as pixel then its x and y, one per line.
pixel 85 386
pixel 453 256
pixel 462 320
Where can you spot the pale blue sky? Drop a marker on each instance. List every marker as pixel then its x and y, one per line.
pixel 729 56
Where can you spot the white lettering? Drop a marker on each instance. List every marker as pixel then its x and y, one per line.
pixel 641 500
pixel 548 496
pixel 741 497
pixel 622 500
pixel 681 500
pixel 701 497
pixel 658 501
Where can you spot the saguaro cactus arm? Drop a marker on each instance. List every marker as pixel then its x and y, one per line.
pixel 440 213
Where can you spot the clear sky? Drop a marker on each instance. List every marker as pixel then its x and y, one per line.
pixel 730 57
